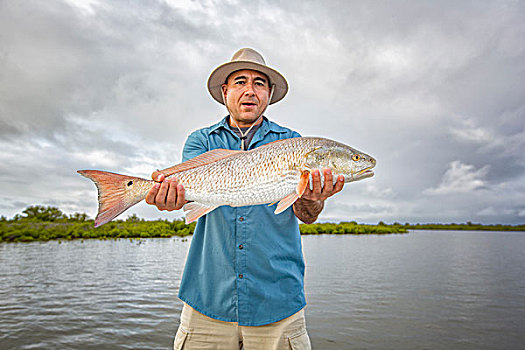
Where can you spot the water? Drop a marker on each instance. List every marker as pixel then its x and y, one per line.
pixel 424 290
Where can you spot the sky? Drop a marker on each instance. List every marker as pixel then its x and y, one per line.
pixel 434 90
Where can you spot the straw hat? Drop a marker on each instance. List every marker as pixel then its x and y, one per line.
pixel 246 59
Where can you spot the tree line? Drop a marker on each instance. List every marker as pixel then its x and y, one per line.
pixel 44 223
pixel 40 223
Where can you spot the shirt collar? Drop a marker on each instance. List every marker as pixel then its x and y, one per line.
pixel 266 126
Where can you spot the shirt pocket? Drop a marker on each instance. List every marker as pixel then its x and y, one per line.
pixel 180 338
pixel 300 341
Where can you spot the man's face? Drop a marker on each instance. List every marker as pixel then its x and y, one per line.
pixel 246 93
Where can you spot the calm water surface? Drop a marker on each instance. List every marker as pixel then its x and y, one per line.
pixel 424 290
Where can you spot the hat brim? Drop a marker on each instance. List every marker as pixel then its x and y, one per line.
pixel 221 73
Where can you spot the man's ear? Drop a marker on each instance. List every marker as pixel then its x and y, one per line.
pixel 224 89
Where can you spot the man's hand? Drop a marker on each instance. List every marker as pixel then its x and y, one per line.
pixel 166 194
pixel 309 206
pixel 319 192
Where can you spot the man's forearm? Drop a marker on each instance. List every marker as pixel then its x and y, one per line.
pixel 308 210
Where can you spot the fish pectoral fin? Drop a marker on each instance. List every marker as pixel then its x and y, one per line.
pixel 286 202
pixel 200 160
pixel 194 210
pixel 303 182
pixel 290 199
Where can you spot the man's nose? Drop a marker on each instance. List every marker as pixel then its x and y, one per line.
pixel 249 89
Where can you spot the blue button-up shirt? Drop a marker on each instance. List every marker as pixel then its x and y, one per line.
pixel 245 264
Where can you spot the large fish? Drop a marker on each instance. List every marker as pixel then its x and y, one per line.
pixel 276 172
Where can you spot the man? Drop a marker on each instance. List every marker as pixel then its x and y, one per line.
pixel 243 282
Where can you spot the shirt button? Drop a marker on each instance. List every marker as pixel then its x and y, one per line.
pixel 241 218
pixel 240 275
pixel 240 246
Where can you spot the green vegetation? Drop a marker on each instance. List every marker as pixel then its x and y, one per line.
pixel 351 228
pixel 39 223
pixel 469 226
pixel 49 223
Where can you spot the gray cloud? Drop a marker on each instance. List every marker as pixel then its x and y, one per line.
pixel 434 90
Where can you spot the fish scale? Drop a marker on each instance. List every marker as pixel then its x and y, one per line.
pixel 243 180
pixel 275 172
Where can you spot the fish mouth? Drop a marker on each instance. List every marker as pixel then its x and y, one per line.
pixel 363 174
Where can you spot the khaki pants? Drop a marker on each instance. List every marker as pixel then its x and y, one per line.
pixel 197 331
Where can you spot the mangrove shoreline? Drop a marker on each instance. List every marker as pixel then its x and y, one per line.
pixel 39 223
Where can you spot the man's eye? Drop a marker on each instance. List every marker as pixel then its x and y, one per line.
pixel 259 83
pixel 239 82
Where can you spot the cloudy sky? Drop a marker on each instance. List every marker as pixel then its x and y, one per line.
pixel 434 90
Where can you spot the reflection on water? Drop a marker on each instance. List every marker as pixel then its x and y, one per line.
pixel 424 290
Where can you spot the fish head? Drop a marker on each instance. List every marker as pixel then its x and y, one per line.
pixel 343 160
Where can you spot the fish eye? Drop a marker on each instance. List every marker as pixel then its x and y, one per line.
pixel 356 157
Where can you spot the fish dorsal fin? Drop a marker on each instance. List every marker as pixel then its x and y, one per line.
pixel 200 160
pixel 194 210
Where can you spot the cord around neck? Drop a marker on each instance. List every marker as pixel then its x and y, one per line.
pixel 244 135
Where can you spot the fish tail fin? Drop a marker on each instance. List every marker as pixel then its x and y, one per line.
pixel 116 193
